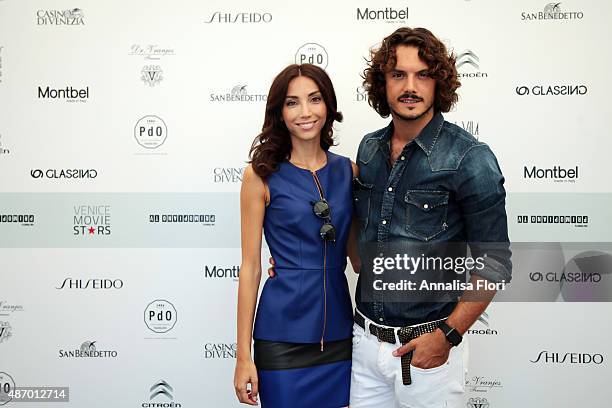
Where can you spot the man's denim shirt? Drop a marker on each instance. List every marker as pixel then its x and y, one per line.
pixel 444 186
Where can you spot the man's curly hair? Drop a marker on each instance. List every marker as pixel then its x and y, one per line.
pixel 441 67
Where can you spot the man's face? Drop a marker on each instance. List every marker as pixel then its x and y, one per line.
pixel 410 89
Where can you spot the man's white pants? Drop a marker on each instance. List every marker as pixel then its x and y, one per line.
pixel 376 379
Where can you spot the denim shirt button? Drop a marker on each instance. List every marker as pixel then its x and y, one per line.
pixel 390 189
pixel 384 222
pixel 425 206
pixel 380 319
pixel 402 158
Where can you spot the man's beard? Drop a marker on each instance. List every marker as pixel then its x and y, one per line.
pixel 411 118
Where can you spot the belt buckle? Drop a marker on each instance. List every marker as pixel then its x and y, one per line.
pixel 376 330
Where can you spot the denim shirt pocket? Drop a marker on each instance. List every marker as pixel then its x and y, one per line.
pixel 426 212
pixel 362 196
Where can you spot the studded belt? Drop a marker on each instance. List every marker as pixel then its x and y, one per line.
pixel 404 335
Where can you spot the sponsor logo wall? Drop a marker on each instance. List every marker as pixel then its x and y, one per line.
pixel 124 137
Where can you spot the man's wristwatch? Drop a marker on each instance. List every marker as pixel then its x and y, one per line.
pixel 451 334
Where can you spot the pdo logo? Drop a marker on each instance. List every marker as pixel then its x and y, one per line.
pixel 150 132
pixel 160 316
pixel 312 53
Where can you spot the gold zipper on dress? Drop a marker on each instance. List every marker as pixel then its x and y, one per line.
pixel 320 189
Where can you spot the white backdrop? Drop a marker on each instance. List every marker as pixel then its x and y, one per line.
pixel 196 74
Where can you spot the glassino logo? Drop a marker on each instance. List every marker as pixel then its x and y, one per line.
pixel 26 220
pixel 238 93
pixel 228 174
pixel 478 402
pixel 222 273
pixel 151 75
pixel 576 220
pixel 312 53
pixel 388 14
pixel 92 220
pixel 557 173
pixel 5 331
pixel 552 11
pixel 221 17
pixel 88 350
pixel 60 17
pixel 551 90
pixel 468 65
pixel 549 357
pixel 161 389
pixel 220 350
pixel 70 283
pixel 160 316
pixel 64 173
pixel 69 94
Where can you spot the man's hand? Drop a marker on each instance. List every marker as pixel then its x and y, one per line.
pixel 430 350
pixel 271 272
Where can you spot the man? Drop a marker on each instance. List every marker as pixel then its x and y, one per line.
pixel 421 181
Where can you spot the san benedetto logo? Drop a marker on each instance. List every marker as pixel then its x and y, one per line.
pixel 552 11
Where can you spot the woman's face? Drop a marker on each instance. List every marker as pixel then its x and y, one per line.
pixel 304 110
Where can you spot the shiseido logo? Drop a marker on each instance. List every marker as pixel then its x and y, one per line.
pixel 556 173
pixel 220 350
pixel 69 94
pixel 87 350
pixel 221 17
pixel 478 402
pixel 91 220
pixel 73 16
pixel 70 283
pixel 482 384
pixel 388 14
pixel 312 53
pixel 160 316
pixel 150 51
pixel 468 65
pixel 239 93
pixel 5 331
pixel 228 174
pixel 552 11
pixel 163 390
pixel 222 273
pixel 64 173
pixel 549 357
pixel 26 220
pixel 151 75
pixel 552 90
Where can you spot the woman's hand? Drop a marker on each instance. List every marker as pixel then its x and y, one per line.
pixel 245 374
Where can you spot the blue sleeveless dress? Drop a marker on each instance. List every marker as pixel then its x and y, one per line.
pixel 306 307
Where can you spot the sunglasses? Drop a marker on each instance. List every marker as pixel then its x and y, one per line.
pixel 322 210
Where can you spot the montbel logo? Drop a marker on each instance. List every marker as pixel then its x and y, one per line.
pixel 91 220
pixel 470 126
pixel 220 350
pixel 88 349
pixel 68 94
pixel 222 17
pixel 160 316
pixel 151 75
pixel 468 65
pixel 549 357
pixel 481 383
pixel 557 174
pixel 5 331
pixel 312 53
pixel 217 272
pixel 161 391
pixel 238 93
pixel 387 14
pixel 73 16
pixel 84 284
pixel 150 131
pixel 478 402
pixel 552 11
pixel 228 174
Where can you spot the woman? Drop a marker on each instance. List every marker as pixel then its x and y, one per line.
pixel 299 193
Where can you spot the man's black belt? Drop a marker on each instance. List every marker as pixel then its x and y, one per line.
pixel 404 335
